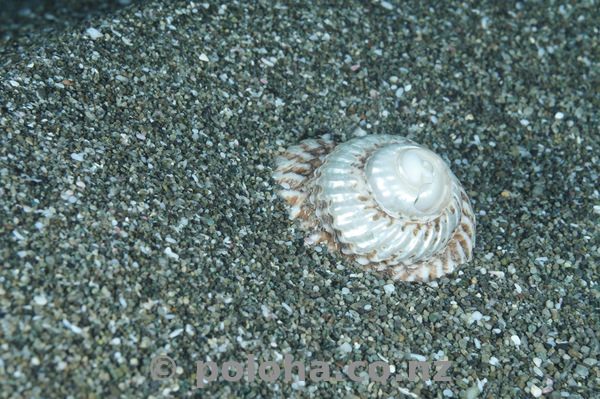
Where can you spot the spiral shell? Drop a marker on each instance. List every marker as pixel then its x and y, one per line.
pixel 384 201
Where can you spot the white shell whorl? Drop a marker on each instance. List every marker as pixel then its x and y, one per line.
pixel 385 201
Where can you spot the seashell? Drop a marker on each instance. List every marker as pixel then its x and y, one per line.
pixel 384 201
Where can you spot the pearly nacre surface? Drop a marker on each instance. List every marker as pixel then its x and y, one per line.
pixel 384 201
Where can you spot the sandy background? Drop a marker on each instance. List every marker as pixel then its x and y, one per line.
pixel 138 216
